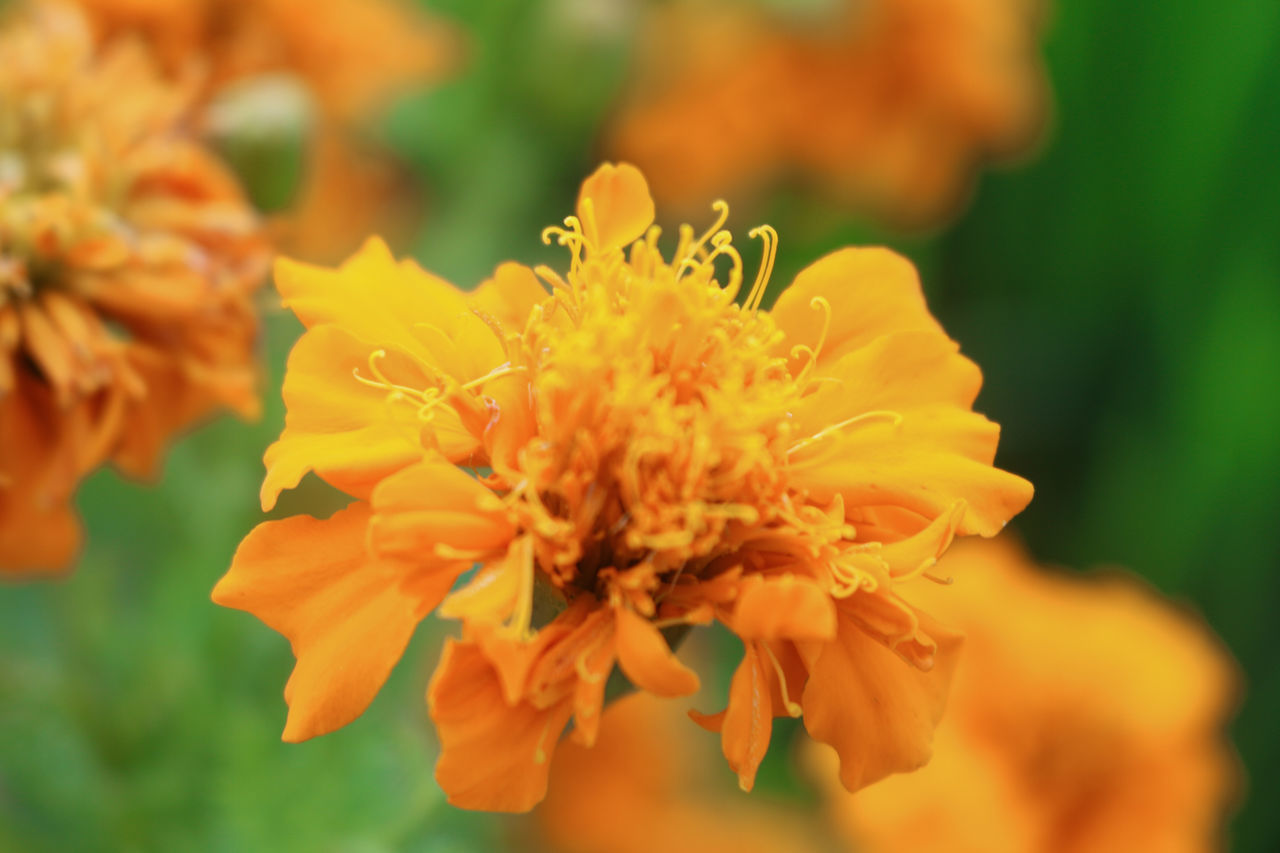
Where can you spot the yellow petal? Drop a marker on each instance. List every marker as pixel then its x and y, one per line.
pixel 344 612
pixel 877 710
pixel 647 660
pixel 895 372
pixel 614 206
pixel 871 291
pixel 509 297
pixel 926 464
pixel 348 432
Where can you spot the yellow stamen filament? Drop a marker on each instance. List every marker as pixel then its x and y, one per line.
pixel 793 708
pixel 770 239
pixel 865 417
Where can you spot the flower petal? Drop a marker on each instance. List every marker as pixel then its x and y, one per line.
pixel 871 291
pixel 432 510
pixel 783 607
pixel 494 756
pixel 614 206
pixel 895 372
pixel 647 660
pixel 347 431
pixel 748 720
pixel 509 297
pixel 371 296
pixel 345 613
pixel 877 710
pixel 925 464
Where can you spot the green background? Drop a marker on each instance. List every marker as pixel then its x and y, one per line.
pixel 1120 289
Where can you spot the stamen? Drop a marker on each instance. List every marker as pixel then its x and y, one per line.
pixel 793 708
pixel 721 207
pixel 865 417
pixel 770 239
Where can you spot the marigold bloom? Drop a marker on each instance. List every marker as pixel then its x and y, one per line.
pixel 127 258
pixel 889 104
pixel 1087 715
pixel 351 53
pixel 645 454
pixel 641 788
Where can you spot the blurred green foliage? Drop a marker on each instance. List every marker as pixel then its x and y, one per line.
pixel 1121 291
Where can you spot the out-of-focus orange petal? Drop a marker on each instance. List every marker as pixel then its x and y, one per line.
pixel 494 756
pixel 344 612
pixel 648 661
pixel 877 710
pixel 620 208
pixel 871 291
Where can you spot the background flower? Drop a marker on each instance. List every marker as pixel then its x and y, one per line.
pixel 1087 714
pixel 127 257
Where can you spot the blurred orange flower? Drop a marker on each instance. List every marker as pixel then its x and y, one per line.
pixel 127 259
pixel 1087 715
pixel 641 788
pixel 887 104
pixel 645 454
pixel 351 55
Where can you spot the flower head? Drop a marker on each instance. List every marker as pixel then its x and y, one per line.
pixel 639 450
pixel 888 104
pixel 351 53
pixel 1087 715
pixel 127 257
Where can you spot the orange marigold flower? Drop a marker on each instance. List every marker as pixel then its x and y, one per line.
pixel 127 258
pixel 626 456
pixel 887 104
pixel 1087 715
pixel 351 53
pixel 641 788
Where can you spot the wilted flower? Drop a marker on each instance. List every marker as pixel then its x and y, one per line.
pixel 1087 715
pixel 127 258
pixel 887 104
pixel 629 455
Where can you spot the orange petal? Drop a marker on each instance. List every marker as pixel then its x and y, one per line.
pixel 494 756
pixel 433 510
pixel 614 206
pixel 344 612
pixel 871 291
pixel 38 476
pixel 748 721
pixel 647 660
pixel 922 550
pixel 786 606
pixel 877 710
